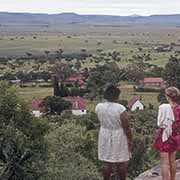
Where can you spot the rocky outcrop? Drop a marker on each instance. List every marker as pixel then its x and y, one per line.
pixel 155 173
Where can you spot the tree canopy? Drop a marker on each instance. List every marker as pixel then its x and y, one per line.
pixel 22 143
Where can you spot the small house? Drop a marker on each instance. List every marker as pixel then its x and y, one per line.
pixel 152 82
pixel 36 107
pixel 75 80
pixel 78 105
pixel 135 104
pixel 15 81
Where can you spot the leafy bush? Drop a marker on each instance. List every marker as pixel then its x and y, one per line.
pixel 148 90
pixel 66 161
pixel 143 124
pixel 22 144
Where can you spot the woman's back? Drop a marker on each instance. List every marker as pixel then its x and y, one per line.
pixel 112 143
pixel 109 115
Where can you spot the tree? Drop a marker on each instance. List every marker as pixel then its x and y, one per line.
pixel 46 75
pixel 172 72
pixel 137 69
pixel 101 76
pixel 63 91
pixel 115 55
pixel 143 125
pixel 77 65
pixel 63 71
pixel 68 144
pixel 56 86
pixel 47 53
pixel 155 71
pixel 22 144
pixel 134 73
pixel 55 105
pixel 59 53
pixel 28 54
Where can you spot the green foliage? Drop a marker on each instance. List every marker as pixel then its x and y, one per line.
pixel 63 71
pixel 102 75
pixel 22 143
pixel 172 72
pixel 136 70
pixel 55 86
pixel 55 105
pixel 66 162
pixel 63 91
pixel 147 90
pixel 143 124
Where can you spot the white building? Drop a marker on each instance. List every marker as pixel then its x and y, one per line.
pixel 135 104
pixel 36 107
pixel 78 105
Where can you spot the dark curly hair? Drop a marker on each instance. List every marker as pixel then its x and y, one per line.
pixel 111 93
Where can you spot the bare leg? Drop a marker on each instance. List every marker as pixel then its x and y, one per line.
pixel 172 163
pixel 106 171
pixel 164 165
pixel 122 170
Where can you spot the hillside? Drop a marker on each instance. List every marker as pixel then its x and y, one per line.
pixel 72 18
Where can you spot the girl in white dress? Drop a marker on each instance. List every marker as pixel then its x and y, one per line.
pixel 114 144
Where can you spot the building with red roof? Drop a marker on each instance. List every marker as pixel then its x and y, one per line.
pixel 135 104
pixel 36 107
pixel 75 80
pixel 152 82
pixel 78 105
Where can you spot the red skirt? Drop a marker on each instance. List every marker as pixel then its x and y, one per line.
pixel 171 145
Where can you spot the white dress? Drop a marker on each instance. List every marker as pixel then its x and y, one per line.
pixel 112 142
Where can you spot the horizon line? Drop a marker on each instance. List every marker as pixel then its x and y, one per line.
pixel 24 12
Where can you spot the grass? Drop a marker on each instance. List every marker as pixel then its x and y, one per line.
pixel 29 93
pixel 52 40
pixel 127 92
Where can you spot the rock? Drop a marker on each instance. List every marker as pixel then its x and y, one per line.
pixel 155 173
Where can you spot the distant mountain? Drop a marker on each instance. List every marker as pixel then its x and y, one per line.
pixel 72 18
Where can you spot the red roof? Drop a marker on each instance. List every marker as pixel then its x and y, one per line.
pixel 36 104
pixel 75 78
pixel 78 103
pixel 153 80
pixel 133 101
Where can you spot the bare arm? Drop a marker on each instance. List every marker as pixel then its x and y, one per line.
pixel 126 128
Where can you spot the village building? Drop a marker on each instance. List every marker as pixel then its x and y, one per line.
pixel 164 48
pixel 15 81
pixel 75 80
pixel 78 105
pixel 135 104
pixel 36 107
pixel 152 82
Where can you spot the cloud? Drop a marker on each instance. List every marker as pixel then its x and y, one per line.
pixel 116 7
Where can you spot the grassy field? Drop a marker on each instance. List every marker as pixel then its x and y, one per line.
pixel 33 92
pixel 73 39
pixel 29 93
pixel 126 40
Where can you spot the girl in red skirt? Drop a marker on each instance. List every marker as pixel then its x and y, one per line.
pixel 167 141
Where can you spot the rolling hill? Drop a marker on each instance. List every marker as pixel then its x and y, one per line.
pixel 72 18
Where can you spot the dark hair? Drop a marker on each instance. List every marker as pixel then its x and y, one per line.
pixel 112 93
pixel 173 93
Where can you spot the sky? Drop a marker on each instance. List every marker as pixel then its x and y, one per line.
pixel 109 7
